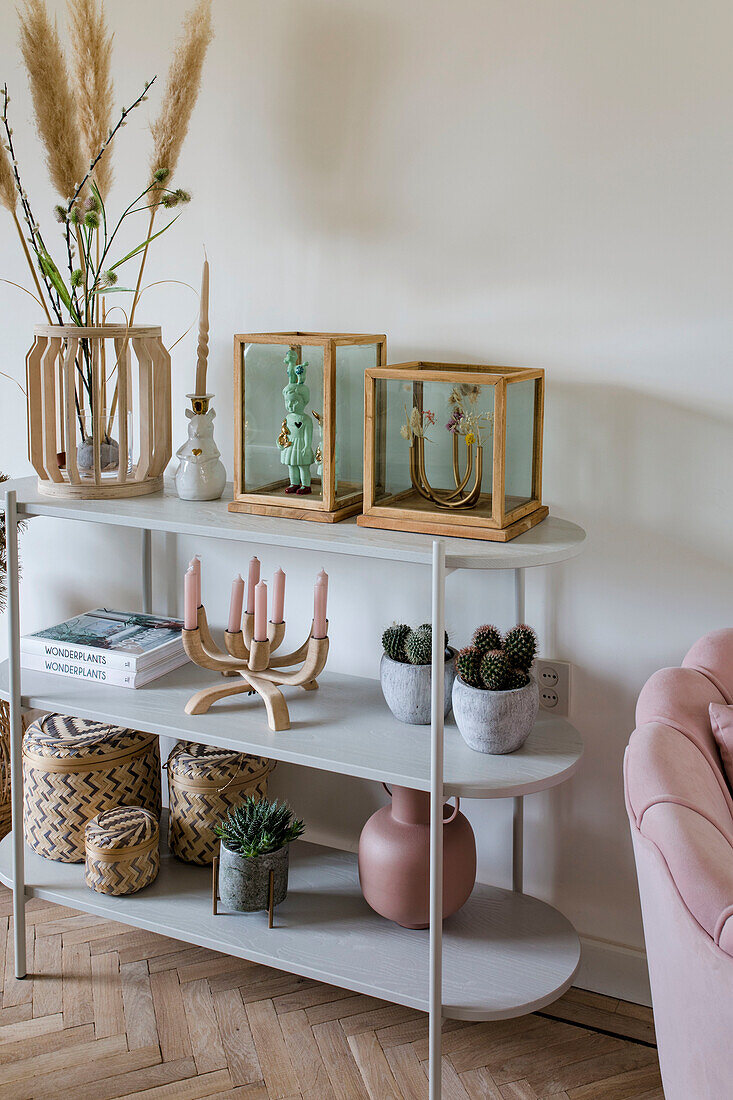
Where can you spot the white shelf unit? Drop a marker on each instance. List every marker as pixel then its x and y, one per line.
pixel 504 953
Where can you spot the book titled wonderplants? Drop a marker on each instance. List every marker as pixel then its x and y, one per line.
pixel 107 639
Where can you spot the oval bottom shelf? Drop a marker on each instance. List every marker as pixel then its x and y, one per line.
pixel 504 954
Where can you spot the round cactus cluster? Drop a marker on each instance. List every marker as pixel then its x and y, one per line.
pixel 520 646
pixel 468 663
pixel 495 663
pixel 414 647
pixel 393 641
pixel 486 638
pixel 419 646
pixel 494 670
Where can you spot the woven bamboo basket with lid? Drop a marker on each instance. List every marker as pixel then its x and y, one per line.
pixel 122 853
pixel 74 769
pixel 203 785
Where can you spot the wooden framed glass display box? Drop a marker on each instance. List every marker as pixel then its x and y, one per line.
pixel 453 449
pixel 299 422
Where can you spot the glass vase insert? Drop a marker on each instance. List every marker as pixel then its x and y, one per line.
pixel 99 410
pixel 453 449
pixel 299 422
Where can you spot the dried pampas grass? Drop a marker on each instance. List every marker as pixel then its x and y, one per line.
pixel 92 61
pixel 8 196
pixel 184 79
pixel 53 102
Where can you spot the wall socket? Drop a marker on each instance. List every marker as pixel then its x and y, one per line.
pixel 553 680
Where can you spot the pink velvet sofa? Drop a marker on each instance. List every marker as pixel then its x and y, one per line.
pixel 681 815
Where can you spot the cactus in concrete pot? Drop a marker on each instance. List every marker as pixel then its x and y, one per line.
pixel 405 672
pixel 495 699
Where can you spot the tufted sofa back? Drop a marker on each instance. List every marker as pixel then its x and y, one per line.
pixel 677 795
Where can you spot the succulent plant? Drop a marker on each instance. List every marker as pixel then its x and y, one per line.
pixel 517 678
pixel 520 647
pixel 494 670
pixel 468 663
pixel 486 638
pixel 393 641
pixel 427 628
pixel 258 826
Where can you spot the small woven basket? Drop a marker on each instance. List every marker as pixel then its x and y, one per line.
pixel 74 769
pixel 122 853
pixel 203 785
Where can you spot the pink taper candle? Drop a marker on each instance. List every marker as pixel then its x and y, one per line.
pixel 235 605
pixel 320 595
pixel 261 612
pixel 323 578
pixel 278 597
pixel 195 564
pixel 189 600
pixel 253 579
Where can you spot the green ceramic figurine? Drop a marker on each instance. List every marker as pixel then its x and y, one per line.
pixel 296 434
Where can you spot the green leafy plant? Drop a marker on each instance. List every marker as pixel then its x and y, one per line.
pixel 258 826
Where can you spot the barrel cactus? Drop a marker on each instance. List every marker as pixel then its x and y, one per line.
pixel 494 670
pixel 516 678
pixel 419 646
pixel 520 647
pixel 393 641
pixel 485 638
pixel 468 663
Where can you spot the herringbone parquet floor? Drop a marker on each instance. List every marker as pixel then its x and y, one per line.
pixel 111 1011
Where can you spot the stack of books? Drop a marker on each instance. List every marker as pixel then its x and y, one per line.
pixel 120 648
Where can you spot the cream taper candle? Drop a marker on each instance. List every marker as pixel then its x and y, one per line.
pixel 203 344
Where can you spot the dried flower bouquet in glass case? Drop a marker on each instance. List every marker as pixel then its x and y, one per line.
pixel 453 449
pixel 299 422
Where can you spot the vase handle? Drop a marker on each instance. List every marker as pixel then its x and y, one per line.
pixel 387 789
pixel 454 815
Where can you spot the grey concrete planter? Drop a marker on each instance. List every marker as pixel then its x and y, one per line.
pixel 244 884
pixel 406 688
pixel 495 721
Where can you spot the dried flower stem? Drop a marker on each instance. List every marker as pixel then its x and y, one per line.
pixel 32 267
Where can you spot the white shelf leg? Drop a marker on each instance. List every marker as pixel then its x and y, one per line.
pixel 518 846
pixel 147 562
pixel 436 823
pixel 16 731
pixel 518 596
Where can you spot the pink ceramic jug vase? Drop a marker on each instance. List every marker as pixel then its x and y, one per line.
pixel 394 859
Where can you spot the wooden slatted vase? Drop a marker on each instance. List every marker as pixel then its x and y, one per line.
pixel 99 410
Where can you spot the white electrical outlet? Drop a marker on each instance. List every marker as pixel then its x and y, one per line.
pixel 553 680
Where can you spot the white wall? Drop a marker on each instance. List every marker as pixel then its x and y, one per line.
pixel 541 182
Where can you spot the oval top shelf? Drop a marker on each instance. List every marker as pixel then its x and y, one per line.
pixel 344 727
pixel 551 541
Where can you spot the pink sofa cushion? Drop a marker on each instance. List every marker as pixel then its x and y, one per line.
pixel 713 655
pixel 721 722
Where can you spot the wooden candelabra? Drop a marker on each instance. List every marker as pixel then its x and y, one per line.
pixel 256 664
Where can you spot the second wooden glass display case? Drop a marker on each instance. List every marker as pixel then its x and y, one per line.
pixel 453 449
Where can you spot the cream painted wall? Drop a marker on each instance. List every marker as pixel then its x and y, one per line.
pixel 541 182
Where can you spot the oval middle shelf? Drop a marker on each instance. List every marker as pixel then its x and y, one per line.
pixel 344 727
